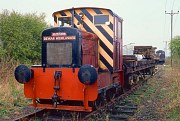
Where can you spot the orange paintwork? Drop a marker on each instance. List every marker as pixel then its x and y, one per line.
pixel 41 85
pixel 65 107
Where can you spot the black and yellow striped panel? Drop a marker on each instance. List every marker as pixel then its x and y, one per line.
pixel 104 32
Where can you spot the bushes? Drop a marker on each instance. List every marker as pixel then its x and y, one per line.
pixel 20 36
pixel 20 42
pixel 175 47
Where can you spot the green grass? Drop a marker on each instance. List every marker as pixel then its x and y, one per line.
pixel 139 95
pixel 11 92
pixel 161 96
pixel 38 119
pixel 174 114
pixel 3 112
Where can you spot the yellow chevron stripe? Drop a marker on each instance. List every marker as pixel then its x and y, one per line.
pixel 108 30
pixel 102 65
pixel 106 56
pixel 101 50
pixel 97 32
pixel 68 13
pixel 80 27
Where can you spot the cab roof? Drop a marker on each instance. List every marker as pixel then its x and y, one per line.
pixel 114 14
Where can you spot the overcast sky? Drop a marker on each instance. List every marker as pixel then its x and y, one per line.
pixel 145 21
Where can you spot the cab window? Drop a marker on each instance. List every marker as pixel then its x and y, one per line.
pixel 65 21
pixel 101 19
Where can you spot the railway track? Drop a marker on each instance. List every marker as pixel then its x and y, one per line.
pixel 116 109
pixel 31 115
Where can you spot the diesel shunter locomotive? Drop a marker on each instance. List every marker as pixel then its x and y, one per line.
pixel 82 62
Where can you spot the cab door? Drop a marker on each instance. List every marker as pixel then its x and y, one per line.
pixel 118 44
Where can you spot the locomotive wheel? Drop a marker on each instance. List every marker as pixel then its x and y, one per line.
pixel 110 94
pixel 136 79
pixel 128 82
pixel 120 92
pixel 152 71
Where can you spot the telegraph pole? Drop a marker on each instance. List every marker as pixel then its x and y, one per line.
pixel 171 28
